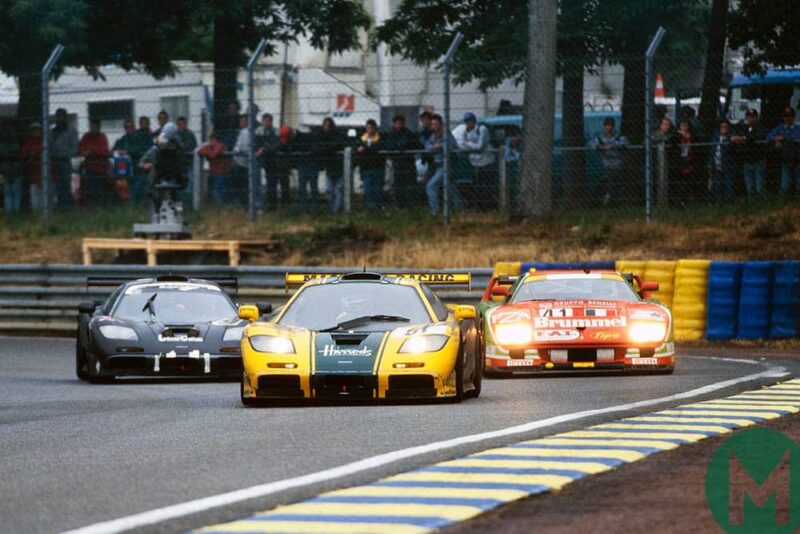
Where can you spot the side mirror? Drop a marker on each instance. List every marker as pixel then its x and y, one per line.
pixel 265 308
pixel 462 312
pixel 500 291
pixel 87 307
pixel 249 312
pixel 645 288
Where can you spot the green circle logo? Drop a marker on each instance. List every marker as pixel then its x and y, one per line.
pixel 753 483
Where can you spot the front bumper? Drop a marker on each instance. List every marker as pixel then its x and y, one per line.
pixel 534 361
pixel 198 364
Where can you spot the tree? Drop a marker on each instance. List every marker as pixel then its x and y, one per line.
pixel 539 108
pixel 767 32
pixel 715 57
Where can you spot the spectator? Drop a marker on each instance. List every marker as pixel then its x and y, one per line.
pixel 721 163
pixel 166 161
pixel 31 152
pixel 219 168
pixel 229 127
pixel 241 160
pixel 512 152
pixel 687 175
pixel 436 145
pixel 284 163
pixel 188 141
pixel 371 163
pixel 306 165
pixel 93 146
pixel 401 139
pixel 63 147
pixel 425 129
pixel 665 141
pixel 122 171
pixel 610 144
pixel 785 138
pixel 750 139
pixel 483 192
pixel 423 162
pixel 328 157
pixel 266 145
pixel 136 143
pixel 10 169
pixel 163 119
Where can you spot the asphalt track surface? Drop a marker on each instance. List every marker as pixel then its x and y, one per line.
pixel 74 454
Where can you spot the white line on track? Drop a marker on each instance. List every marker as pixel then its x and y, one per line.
pixel 174 511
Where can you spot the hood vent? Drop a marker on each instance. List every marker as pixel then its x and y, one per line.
pixel 349 340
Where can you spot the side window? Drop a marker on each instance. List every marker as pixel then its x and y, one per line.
pixel 439 309
pixel 112 300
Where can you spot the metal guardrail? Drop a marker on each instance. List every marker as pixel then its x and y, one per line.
pixel 43 299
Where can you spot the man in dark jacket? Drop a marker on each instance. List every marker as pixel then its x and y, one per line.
pixel 265 145
pixel 327 154
pixel 721 162
pixel 306 165
pixel 751 151
pixel 371 163
pixel 284 162
pixel 401 139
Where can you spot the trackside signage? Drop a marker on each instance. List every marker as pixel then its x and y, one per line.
pixel 295 279
pixel 753 483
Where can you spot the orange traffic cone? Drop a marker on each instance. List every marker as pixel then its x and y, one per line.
pixel 660 93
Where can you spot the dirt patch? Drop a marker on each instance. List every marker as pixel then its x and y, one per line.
pixel 662 493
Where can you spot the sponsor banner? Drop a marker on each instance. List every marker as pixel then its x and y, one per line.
pixel 554 323
pixel 298 279
pixel 332 351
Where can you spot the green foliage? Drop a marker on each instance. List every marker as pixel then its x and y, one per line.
pixel 768 33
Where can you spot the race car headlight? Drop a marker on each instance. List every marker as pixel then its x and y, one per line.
pixel 233 334
pixel 420 344
pixel 111 331
pixel 647 332
pixel 272 344
pixel 513 334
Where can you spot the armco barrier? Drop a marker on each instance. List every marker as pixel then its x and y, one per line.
pixel 755 299
pixel 44 298
pixel 785 302
pixel 724 287
pixel 689 299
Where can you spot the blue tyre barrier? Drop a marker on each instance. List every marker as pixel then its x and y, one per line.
pixel 724 287
pixel 785 309
pixel 755 299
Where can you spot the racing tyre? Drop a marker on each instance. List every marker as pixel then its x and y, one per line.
pixel 480 362
pixel 92 376
pixel 80 364
pixel 247 401
pixel 459 376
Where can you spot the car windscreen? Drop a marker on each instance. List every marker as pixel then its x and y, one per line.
pixel 322 307
pixel 577 288
pixel 184 304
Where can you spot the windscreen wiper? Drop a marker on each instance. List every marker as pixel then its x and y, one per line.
pixel 350 323
pixel 151 307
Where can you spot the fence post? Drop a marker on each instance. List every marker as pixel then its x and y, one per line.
pixel 347 176
pixel 502 180
pixel 648 120
pixel 46 182
pixel 200 185
pixel 662 190
pixel 446 138
pixel 253 171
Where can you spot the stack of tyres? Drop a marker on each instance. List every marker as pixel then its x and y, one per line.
pixel 635 267
pixel 662 272
pixel 755 300
pixel 785 310
pixel 689 299
pixel 724 287
pixel 506 268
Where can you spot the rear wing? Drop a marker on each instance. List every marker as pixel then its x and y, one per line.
pixel 432 278
pixel 228 283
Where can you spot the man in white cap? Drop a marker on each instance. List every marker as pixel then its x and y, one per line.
pixel 483 191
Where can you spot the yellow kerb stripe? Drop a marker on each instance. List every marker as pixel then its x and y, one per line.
pixel 319 527
pixel 584 467
pixel 451 512
pixel 628 456
pixel 421 491
pixel 712 411
pixel 706 420
pixel 611 433
pixel 664 426
pixel 563 439
pixel 553 481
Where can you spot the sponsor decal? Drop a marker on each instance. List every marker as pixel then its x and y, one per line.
pixel 437 328
pixel 583 365
pixel 605 336
pixel 179 339
pixel 519 363
pixel 555 312
pixel 423 278
pixel 595 312
pixel 332 351
pixel 174 286
pixel 556 335
pixel 644 361
pixel 553 323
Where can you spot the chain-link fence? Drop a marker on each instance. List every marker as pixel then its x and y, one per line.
pixel 368 136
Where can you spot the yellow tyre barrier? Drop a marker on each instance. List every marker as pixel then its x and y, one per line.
pixel 689 309
pixel 662 272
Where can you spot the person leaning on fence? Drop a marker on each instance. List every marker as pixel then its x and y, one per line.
pixel 265 144
pixel 136 143
pixel 219 168
pixel 327 154
pixel 188 141
pixel 435 144
pixel 749 139
pixel 285 161
pixel 96 185
pixel 10 168
pixel 512 153
pixel 371 162
pixel 611 145
pixel 722 164
pixel 405 189
pixel 785 138
pixel 63 147
pixel 665 142
pixel 240 174
pixel 307 169
pixel 688 183
pixel 424 162
pixel 483 191
pixel 31 153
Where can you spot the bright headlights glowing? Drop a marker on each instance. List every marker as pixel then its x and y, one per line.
pixel 513 334
pixel 420 344
pixel 272 344
pixel 648 332
pixel 233 334
pixel 111 331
